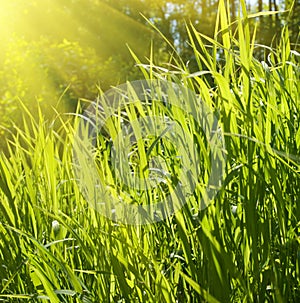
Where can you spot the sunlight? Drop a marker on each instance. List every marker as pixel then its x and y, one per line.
pixel 7 14
pixel 50 45
pixel 100 26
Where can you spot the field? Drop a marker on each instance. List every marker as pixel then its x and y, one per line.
pixel 243 245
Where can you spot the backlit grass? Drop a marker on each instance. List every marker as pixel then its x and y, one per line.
pixel 244 247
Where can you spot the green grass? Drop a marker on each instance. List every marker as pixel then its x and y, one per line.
pixel 244 247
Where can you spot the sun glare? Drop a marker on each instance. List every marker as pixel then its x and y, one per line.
pixel 49 45
pixel 7 15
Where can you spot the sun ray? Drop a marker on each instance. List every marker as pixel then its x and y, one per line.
pixel 29 31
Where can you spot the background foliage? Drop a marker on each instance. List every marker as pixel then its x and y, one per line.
pixel 58 52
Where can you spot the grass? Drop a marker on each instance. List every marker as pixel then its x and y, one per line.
pixel 244 247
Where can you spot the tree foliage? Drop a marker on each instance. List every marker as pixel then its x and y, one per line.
pixel 73 47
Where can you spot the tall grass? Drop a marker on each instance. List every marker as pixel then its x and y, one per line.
pixel 244 247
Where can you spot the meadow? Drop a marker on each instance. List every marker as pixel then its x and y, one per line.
pixel 243 247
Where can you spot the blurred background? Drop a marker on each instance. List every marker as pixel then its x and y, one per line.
pixel 56 52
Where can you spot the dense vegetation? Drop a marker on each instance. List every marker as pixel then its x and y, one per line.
pixel 244 247
pixel 67 51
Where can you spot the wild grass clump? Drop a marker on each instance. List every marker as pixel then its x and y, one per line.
pixel 244 247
